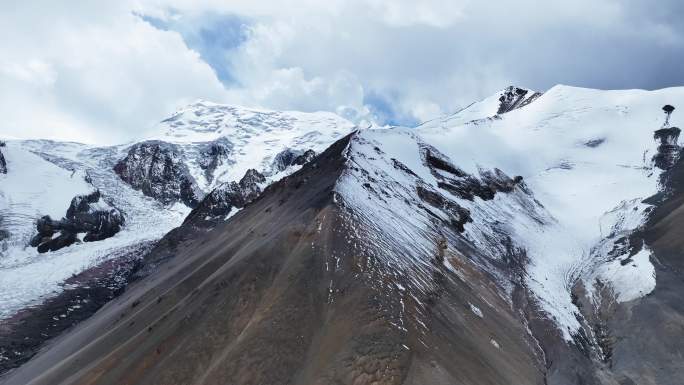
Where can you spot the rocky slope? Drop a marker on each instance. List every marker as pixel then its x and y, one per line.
pixel 289 291
pixel 527 239
pixel 144 189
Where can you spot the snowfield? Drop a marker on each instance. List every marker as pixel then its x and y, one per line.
pixel 587 157
pixel 586 160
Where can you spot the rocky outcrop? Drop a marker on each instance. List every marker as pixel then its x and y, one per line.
pixel 290 157
pixel 227 196
pixel 514 97
pixel 87 214
pixel 668 147
pixel 214 154
pixel 463 185
pixel 156 168
pixel 458 216
pixel 3 163
pixel 219 203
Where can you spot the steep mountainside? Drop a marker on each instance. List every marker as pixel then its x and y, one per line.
pixel 528 239
pixel 143 189
pixel 292 290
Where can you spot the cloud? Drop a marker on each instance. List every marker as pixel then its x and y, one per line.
pixel 104 72
pixel 92 73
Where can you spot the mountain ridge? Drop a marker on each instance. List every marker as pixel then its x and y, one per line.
pixel 516 236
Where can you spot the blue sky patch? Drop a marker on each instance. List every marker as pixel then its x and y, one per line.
pixel 213 36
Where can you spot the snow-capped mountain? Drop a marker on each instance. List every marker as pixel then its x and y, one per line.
pixel 589 159
pixel 153 182
pixel 530 238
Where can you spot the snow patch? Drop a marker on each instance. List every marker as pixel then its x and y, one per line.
pixel 476 310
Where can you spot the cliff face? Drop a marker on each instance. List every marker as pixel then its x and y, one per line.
pixel 219 204
pixel 213 155
pixel 156 168
pixel 668 147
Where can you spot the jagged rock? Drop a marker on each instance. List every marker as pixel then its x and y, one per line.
pixel 64 239
pixel 249 185
pixel 514 97
pixel 156 168
pixel 87 214
pixel 498 181
pixel 668 149
pixel 219 203
pixel 214 154
pixel 290 157
pixel 458 216
pixel 464 185
pixel 3 163
pixel 4 236
pixel 305 158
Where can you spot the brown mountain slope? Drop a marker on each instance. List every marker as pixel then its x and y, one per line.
pixel 279 295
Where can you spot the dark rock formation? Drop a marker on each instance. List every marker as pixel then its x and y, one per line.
pixel 214 154
pixel 458 216
pixel 156 168
pixel 464 185
pixel 593 143
pixel 218 203
pixel 306 157
pixel 514 97
pixel 3 163
pixel 668 149
pixel 290 157
pixel 87 214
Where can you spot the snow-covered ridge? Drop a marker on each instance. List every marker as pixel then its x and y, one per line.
pixel 587 159
pixel 491 107
pixel 255 136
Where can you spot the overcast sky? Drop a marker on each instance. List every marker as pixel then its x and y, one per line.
pixel 107 71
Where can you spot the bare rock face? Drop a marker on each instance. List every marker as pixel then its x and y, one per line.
pixel 213 155
pixel 221 201
pixel 668 149
pixel 3 163
pixel 87 214
pixel 218 204
pixel 156 168
pixel 514 97
pixel 464 185
pixel 290 157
